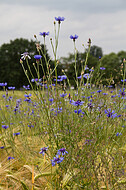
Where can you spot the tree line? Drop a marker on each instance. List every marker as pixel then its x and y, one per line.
pixel 11 70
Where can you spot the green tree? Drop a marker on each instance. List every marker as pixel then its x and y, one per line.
pixel 96 51
pixel 10 68
pixel 112 64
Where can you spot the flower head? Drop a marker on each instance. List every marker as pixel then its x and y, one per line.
pixel 37 57
pixel 57 160
pixel 74 37
pixel 59 19
pixel 62 151
pixel 102 68
pixel 16 134
pixel 44 34
pixel 43 150
pixel 110 113
pixel 9 158
pixel 25 55
pixel 5 126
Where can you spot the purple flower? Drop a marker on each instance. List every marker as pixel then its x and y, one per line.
pixel 62 151
pixel 1 147
pixel 123 80
pixel 26 87
pixel 78 111
pixel 43 150
pixel 3 84
pixel 5 126
pixel 74 37
pixel 99 91
pixel 110 113
pixel 11 87
pixel 118 134
pixel 57 160
pixel 9 158
pixel 37 57
pixel 44 34
pixel 77 103
pixel 122 93
pixel 16 134
pixel 25 55
pixel 87 75
pixel 102 68
pixel 59 19
pixel 31 126
pixel 63 95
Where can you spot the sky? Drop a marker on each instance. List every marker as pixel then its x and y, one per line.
pixel 103 21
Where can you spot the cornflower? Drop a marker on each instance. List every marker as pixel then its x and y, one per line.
pixel 57 160
pixel 73 37
pixel 25 55
pixel 62 151
pixel 59 19
pixel 110 113
pixel 43 150
pixel 44 34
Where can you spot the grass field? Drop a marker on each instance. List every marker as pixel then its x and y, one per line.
pixel 51 140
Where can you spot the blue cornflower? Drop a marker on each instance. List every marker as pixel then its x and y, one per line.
pixel 26 87
pixel 9 158
pixel 63 95
pixel 102 68
pixel 30 126
pixel 5 126
pixel 44 34
pixel 99 91
pixel 110 113
pixel 79 77
pixel 123 80
pixel 11 87
pixel 78 111
pixel 86 75
pixel 43 150
pixel 77 103
pixel 74 37
pixel 122 93
pixel 118 134
pixel 59 19
pixel 57 160
pixel 62 151
pixel 16 134
pixel 37 57
pixel 1 147
pixel 3 84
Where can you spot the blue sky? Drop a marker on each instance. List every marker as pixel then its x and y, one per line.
pixel 101 20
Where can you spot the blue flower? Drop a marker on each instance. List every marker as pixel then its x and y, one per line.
pixel 86 75
pixel 77 103
pixel 78 111
pixel 44 34
pixel 122 93
pixel 11 87
pixel 31 126
pixel 16 134
pixel 59 19
pixel 123 80
pixel 1 147
pixel 63 95
pixel 26 87
pixel 43 150
pixel 62 151
pixel 37 57
pixel 99 91
pixel 3 84
pixel 9 158
pixel 102 68
pixel 57 160
pixel 110 113
pixel 118 134
pixel 5 126
pixel 74 37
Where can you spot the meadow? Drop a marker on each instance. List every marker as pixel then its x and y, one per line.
pixel 55 137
